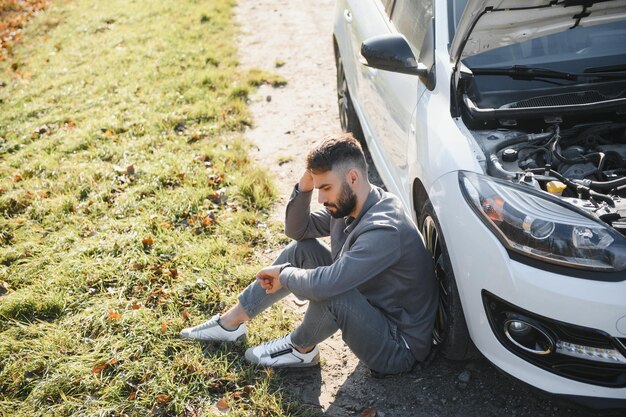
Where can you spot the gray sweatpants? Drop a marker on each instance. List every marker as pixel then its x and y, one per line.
pixel 373 338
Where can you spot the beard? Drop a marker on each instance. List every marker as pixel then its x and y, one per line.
pixel 346 203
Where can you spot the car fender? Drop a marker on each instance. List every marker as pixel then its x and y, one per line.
pixel 438 145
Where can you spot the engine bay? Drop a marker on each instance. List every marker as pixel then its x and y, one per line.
pixel 582 164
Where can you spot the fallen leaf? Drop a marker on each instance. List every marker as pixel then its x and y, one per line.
pixel 163 326
pixel 208 220
pixel 132 396
pixel 98 368
pixel 174 273
pixel 185 314
pixel 111 362
pixel 135 306
pixel 16 177
pixel 114 315
pixel 108 133
pixel 222 404
pixel 147 241
pixel 163 398
pixel 368 412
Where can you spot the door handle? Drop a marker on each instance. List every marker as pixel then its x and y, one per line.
pixel 347 15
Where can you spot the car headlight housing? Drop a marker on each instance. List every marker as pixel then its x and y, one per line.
pixel 540 226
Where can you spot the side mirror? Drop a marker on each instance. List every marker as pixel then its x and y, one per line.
pixel 391 53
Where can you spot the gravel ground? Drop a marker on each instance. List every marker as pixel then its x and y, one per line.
pixel 288 121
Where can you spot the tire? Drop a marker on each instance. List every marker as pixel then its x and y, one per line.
pixel 450 334
pixel 347 116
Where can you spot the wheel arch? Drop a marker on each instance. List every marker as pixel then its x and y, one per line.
pixel 420 197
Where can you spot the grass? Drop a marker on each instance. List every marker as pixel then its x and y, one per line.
pixel 129 209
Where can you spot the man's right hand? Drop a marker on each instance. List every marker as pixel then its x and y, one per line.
pixel 306 182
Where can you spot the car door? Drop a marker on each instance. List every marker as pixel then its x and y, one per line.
pixel 359 20
pixel 392 97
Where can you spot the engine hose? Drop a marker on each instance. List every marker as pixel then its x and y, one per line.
pixel 530 138
pixel 495 168
pixel 602 185
pixel 602 197
pixel 576 187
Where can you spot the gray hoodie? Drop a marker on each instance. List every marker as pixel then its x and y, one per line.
pixel 380 253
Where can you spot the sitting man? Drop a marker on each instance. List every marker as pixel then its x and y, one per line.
pixel 376 283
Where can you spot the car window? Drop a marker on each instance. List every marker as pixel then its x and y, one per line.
pixel 411 19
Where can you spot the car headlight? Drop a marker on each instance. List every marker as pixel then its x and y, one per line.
pixel 540 226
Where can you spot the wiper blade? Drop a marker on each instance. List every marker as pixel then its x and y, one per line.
pixel 526 73
pixel 605 69
pixel 529 73
pixel 609 71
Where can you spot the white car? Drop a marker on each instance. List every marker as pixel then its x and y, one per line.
pixel 502 127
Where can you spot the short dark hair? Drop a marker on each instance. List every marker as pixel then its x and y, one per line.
pixel 336 149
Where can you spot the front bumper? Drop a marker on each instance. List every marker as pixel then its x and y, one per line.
pixel 481 264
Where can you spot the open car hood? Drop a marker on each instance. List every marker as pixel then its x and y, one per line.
pixel 490 24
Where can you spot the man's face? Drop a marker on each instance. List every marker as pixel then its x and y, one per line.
pixel 335 193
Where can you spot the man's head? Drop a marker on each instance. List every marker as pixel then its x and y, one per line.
pixel 339 152
pixel 339 172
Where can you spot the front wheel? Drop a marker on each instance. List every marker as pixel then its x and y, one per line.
pixel 450 333
pixel 347 115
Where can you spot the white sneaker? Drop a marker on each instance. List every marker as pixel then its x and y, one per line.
pixel 212 331
pixel 280 353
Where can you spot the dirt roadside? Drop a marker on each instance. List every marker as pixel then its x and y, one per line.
pixel 287 121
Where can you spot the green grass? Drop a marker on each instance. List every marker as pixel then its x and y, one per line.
pixel 129 209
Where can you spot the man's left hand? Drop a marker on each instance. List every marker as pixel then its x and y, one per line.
pixel 268 278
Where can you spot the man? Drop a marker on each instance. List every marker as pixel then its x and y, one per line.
pixel 376 283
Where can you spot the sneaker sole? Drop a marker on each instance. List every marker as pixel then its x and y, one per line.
pixel 240 340
pixel 314 362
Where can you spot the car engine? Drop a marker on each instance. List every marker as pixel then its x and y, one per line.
pixel 584 165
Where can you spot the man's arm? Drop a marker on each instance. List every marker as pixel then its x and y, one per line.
pixel 300 223
pixel 373 252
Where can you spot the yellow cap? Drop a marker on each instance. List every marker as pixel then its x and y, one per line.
pixel 555 187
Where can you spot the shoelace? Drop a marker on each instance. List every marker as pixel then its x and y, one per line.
pixel 278 344
pixel 207 324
